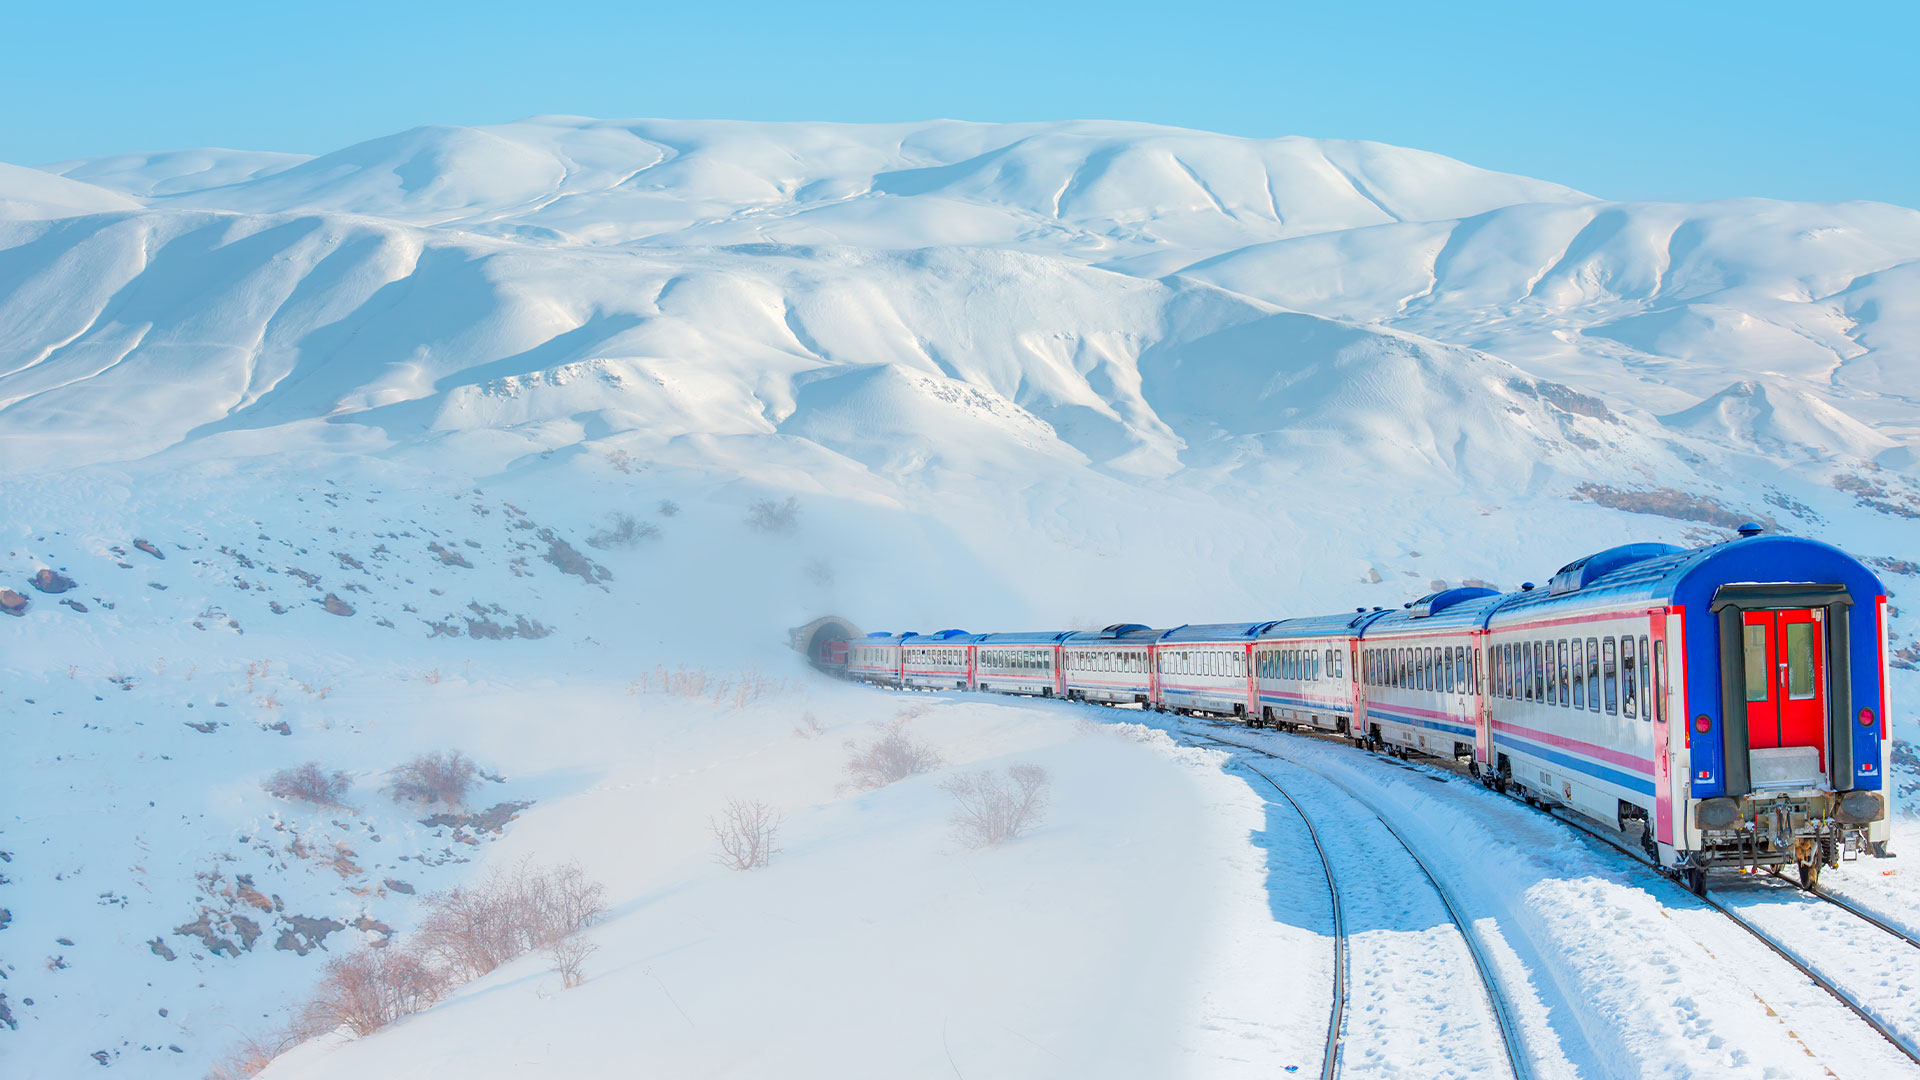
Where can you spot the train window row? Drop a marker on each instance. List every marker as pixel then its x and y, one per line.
pixel 1133 660
pixel 1017 659
pixel 1607 674
pixel 1442 669
pixel 869 655
pixel 942 658
pixel 1202 662
pixel 1299 664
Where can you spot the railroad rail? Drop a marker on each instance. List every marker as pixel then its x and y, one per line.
pixel 1330 1067
pixel 1517 1058
pixel 1900 1042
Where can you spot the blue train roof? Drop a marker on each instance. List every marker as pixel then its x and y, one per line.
pixel 1036 637
pixel 1657 573
pixel 1454 609
pixel 1215 632
pixel 882 637
pixel 1117 634
pixel 1338 625
pixel 942 637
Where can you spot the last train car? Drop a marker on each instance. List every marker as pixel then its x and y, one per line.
pixel 1733 697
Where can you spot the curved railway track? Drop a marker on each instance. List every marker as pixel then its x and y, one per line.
pixel 1517 1059
pixel 1336 1020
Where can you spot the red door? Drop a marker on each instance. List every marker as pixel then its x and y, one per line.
pixel 1786 668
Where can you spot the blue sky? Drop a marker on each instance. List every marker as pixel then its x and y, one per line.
pixel 1636 101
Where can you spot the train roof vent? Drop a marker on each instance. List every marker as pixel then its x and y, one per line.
pixel 1438 602
pixel 880 633
pixel 1119 628
pixel 1581 573
pixel 949 634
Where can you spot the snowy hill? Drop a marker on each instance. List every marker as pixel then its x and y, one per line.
pixel 473 427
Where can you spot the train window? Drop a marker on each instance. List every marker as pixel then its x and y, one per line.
pixel 1540 672
pixel 1593 674
pixel 1473 671
pixel 1527 663
pixel 1579 675
pixel 1500 671
pixel 1565 671
pixel 1510 677
pixel 1646 679
pixel 1659 678
pixel 1611 674
pixel 1629 679
pixel 1553 677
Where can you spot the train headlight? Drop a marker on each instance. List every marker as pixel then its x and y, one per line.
pixel 1703 723
pixel 1866 717
pixel 1860 807
pixel 1716 814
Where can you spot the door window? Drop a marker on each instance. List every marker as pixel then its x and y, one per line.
pixel 1799 661
pixel 1759 685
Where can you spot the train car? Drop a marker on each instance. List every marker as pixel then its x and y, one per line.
pixel 876 658
pixel 1019 663
pixel 1305 671
pixel 1208 669
pixel 1420 675
pixel 1731 697
pixel 1113 666
pixel 942 661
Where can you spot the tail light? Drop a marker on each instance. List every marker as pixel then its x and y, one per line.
pixel 1703 723
pixel 1866 718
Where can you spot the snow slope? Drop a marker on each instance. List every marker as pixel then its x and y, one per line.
pixel 1011 375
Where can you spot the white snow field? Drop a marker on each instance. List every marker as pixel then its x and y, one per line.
pixel 360 456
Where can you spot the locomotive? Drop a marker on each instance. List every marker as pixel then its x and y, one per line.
pixel 1728 702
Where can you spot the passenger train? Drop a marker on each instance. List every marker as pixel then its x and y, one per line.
pixel 1730 699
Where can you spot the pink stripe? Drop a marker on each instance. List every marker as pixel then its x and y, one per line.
pixel 1397 707
pixel 1613 757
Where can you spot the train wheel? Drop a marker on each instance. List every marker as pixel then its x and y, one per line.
pixel 1696 880
pixel 1809 875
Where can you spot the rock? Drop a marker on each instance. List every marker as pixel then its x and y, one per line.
pixel 149 549
pixel 207 728
pixel 399 886
pixel 448 557
pixel 12 602
pixel 282 727
pixel 160 949
pixel 75 605
pixel 51 581
pixel 336 606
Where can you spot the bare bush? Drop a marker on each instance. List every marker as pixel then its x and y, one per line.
pixel 468 932
pixel 809 727
pixel 993 810
pixel 623 531
pixel 568 956
pixel 768 516
pixel 445 777
pixel 309 783
pixel 621 460
pixel 893 755
pixel 370 988
pixel 746 832
pixel 818 571
pixel 669 508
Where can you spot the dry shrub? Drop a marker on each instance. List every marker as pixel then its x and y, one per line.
pixel 623 532
pixel 309 783
pixel 768 516
pixel 568 956
pixel 370 988
pixel 746 832
pixel 668 508
pixel 993 810
pixel 892 755
pixel 445 777
pixel 468 932
pixel 809 727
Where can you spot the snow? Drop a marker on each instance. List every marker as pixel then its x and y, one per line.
pixel 1013 376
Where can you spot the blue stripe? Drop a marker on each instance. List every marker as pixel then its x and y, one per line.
pixel 1611 776
pixel 1420 721
pixel 1295 699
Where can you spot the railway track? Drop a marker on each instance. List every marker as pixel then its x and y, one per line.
pixel 1513 1044
pixel 1905 1044
pixel 1336 1020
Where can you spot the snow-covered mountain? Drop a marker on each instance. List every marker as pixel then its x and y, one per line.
pixel 1014 375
